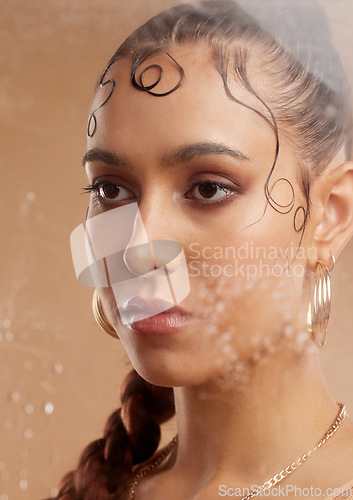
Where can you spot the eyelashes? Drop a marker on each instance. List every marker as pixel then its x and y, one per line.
pixel 204 190
pixel 106 194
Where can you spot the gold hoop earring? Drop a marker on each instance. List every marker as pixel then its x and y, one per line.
pixel 100 317
pixel 320 305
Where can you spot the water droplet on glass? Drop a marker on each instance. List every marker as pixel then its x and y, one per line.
pixel 301 339
pixel 46 386
pixel 227 337
pixel 240 367
pixel 271 349
pixel 9 336
pixel 48 408
pixel 4 496
pixel 2 466
pixel 23 484
pixel 212 329
pixel 14 396
pixel 58 368
pixel 28 434
pixel 31 196
pixel 220 307
pixel 256 356
pixel 6 323
pixel 23 474
pixel 29 409
pixel 288 330
pixel 53 492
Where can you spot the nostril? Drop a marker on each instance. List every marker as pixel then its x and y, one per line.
pixel 167 253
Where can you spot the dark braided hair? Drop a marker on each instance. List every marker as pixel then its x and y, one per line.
pixel 131 436
pixel 309 98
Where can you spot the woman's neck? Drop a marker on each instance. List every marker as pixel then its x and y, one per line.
pixel 249 431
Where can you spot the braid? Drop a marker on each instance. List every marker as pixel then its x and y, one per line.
pixel 131 436
pixel 144 408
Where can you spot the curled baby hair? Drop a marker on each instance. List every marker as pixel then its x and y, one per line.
pixel 306 97
pixel 131 436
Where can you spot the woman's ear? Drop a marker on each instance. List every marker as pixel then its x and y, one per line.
pixel 334 196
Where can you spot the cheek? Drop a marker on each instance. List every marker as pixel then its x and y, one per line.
pixel 243 288
pixel 243 321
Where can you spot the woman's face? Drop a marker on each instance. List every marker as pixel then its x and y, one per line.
pixel 196 163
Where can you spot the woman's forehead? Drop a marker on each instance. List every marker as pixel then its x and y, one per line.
pixel 188 98
pixel 192 65
pixel 160 74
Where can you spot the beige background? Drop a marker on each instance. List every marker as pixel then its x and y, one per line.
pixel 59 374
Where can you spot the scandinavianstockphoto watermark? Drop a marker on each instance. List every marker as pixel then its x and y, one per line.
pixel 247 261
pixel 289 490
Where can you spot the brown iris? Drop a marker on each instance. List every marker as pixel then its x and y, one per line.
pixel 109 191
pixel 207 190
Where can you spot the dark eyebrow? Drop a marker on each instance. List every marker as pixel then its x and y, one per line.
pixel 193 151
pixel 112 159
pixel 182 154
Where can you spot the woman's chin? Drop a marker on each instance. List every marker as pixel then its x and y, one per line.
pixel 190 373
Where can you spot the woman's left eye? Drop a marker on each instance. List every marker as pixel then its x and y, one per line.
pixel 208 190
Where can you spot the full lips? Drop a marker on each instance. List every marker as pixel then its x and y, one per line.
pixel 138 308
pixel 165 322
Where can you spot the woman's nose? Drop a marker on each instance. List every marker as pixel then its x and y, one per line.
pixel 142 258
pixel 143 254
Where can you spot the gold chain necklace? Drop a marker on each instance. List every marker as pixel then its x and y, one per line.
pixel 149 468
pixel 342 413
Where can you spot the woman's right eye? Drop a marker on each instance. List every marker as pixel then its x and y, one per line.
pixel 112 192
pixel 106 193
